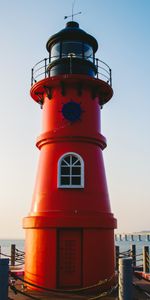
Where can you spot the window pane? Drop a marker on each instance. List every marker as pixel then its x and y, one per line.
pixel 88 52
pixel 74 159
pixel 64 163
pixel 76 181
pixel 76 171
pixel 65 181
pixel 65 170
pixel 73 49
pixel 67 159
pixel 55 52
pixel 77 163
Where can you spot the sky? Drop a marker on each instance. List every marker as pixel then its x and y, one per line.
pixel 121 28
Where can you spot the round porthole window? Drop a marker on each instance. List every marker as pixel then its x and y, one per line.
pixel 72 111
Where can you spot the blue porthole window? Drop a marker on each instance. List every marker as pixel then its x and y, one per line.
pixel 71 171
pixel 72 111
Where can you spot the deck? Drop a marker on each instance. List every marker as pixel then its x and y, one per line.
pixel 141 290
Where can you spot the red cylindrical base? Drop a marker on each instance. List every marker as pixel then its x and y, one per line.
pixel 68 253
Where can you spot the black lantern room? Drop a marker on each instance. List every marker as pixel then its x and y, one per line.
pixel 72 51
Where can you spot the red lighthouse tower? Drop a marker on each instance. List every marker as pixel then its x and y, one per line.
pixel 70 228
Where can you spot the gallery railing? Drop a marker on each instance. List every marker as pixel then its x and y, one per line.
pixel 41 71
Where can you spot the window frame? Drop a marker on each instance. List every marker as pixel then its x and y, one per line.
pixel 59 175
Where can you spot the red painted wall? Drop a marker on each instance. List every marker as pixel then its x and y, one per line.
pixel 40 245
pixel 85 209
pixel 97 246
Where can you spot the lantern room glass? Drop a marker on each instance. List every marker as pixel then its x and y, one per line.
pixel 88 52
pixel 55 52
pixel 71 49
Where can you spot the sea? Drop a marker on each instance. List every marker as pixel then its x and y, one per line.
pixel 126 242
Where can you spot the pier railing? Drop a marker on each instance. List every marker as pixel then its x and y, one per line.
pixel 41 71
pixel 140 261
pixel 16 256
pixel 130 237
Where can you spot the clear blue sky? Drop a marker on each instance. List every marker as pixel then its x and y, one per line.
pixel 122 30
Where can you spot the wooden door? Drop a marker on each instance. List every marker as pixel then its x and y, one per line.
pixel 69 258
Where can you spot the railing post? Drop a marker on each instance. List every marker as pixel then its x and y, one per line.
pixel 4 268
pixel 97 66
pixel 71 63
pixel 120 236
pixel 126 237
pixel 146 262
pixel 110 77
pixel 117 257
pixel 125 278
pixel 133 255
pixel 45 59
pixel 132 237
pixel 13 254
pixel 148 237
pixel 32 76
pixel 49 61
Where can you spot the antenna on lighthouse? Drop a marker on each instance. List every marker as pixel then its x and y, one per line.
pixel 73 14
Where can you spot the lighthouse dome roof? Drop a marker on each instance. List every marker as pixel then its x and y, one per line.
pixel 72 32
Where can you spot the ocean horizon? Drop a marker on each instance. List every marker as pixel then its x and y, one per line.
pixel 123 244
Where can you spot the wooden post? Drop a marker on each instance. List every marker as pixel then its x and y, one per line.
pixel 4 268
pixel 0 251
pixel 140 238
pixel 125 278
pixel 133 254
pixel 132 237
pixel 117 257
pixel 120 237
pixel 146 263
pixel 148 237
pixel 126 237
pixel 13 251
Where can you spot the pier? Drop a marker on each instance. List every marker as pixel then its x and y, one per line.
pixel 140 290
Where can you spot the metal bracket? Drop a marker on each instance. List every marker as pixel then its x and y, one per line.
pixel 41 99
pixel 48 90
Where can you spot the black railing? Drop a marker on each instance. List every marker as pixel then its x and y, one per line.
pixel 41 71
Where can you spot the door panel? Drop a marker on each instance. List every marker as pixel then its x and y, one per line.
pixel 69 258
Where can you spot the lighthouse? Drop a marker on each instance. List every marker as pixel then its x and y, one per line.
pixel 70 228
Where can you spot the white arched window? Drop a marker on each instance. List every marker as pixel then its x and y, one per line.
pixel 71 171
